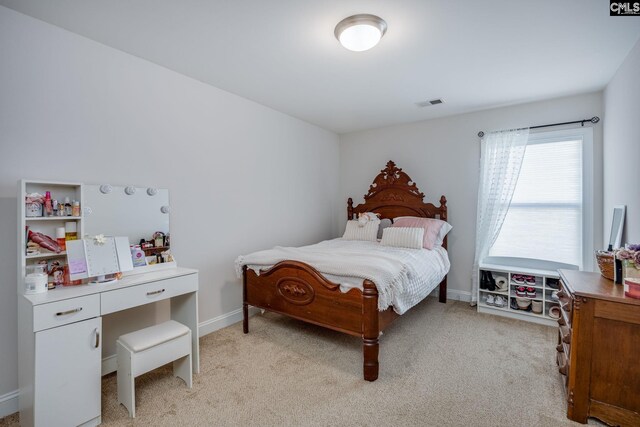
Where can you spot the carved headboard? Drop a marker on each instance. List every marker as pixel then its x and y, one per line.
pixel 394 194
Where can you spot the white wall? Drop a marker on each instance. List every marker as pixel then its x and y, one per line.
pixel 443 157
pixel 622 146
pixel 242 176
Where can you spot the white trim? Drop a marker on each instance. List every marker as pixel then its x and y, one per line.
pixel 515 315
pixel 110 363
pixel 9 403
pixel 454 295
pixel 222 321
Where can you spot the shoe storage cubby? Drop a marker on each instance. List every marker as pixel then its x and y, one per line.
pixel 523 293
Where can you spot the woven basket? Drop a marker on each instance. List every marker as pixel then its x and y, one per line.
pixel 606 263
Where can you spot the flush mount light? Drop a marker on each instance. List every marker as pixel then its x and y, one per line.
pixel 360 32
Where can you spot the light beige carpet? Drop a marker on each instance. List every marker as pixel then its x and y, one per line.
pixel 440 365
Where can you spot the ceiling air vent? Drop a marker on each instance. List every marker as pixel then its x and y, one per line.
pixel 429 103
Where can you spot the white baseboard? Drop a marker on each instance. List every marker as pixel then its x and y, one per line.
pixel 454 295
pixel 110 363
pixel 222 321
pixel 9 403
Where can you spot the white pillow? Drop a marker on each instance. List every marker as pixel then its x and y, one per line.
pixel 403 237
pixel 446 228
pixel 355 231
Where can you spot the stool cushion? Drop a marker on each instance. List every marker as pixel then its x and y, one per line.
pixel 153 335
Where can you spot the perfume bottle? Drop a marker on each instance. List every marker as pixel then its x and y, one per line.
pixel 48 206
pixel 67 207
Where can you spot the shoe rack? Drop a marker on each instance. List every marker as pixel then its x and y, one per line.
pixel 546 281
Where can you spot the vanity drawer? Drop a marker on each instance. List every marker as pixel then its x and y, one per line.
pixel 46 316
pixel 133 296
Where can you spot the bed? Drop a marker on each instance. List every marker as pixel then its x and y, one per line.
pixel 298 290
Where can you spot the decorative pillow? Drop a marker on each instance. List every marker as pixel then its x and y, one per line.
pixel 368 232
pixel 403 237
pixel 363 218
pixel 434 229
pixel 446 228
pixel 384 223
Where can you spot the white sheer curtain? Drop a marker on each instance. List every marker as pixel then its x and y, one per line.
pixel 501 158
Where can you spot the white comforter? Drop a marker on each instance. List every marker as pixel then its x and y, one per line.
pixel 403 277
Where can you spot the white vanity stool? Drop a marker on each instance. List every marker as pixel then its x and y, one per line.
pixel 147 349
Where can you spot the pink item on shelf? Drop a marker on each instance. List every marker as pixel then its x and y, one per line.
pixel 44 241
pixel 431 228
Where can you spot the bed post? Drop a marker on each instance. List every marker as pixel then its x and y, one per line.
pixel 245 307
pixel 370 330
pixel 349 209
pixel 442 295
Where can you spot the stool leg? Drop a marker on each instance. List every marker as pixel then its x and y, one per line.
pixel 182 369
pixel 126 381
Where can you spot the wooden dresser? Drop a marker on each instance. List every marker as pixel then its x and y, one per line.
pixel 599 349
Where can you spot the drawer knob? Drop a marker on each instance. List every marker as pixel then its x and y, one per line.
pixel 64 313
pixel 155 292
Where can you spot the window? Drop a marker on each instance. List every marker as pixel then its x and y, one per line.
pixel 550 216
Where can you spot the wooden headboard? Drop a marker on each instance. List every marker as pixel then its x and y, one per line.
pixel 393 194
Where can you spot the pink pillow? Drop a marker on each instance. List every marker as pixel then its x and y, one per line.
pixel 431 228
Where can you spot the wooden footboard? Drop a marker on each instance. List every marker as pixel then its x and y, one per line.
pixel 298 290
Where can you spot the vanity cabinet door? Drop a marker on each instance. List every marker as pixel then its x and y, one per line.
pixel 68 367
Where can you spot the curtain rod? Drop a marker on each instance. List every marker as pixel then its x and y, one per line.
pixel 594 119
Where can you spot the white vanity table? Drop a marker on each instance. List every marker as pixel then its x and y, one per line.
pixel 60 337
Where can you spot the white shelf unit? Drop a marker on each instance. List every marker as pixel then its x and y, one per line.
pixel 45 225
pixel 544 289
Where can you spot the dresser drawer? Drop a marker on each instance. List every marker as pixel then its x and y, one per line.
pixel 133 296
pixel 60 313
pixel 563 363
pixel 566 302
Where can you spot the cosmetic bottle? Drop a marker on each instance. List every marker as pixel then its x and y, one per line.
pixel 61 238
pixel 48 206
pixel 76 208
pixel 67 207
pixel 71 230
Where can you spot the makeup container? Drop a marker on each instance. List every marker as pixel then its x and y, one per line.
pixel 33 209
pixel 71 230
pixel 35 281
pixel 61 238
pixel 75 210
pixel 67 207
pixel 48 206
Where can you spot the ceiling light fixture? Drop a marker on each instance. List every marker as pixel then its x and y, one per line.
pixel 360 32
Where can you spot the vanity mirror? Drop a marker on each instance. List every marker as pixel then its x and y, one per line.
pixel 140 213
pixel 617 226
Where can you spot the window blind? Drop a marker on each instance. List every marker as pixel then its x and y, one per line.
pixel 544 220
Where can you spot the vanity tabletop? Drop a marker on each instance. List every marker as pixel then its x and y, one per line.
pixel 66 292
